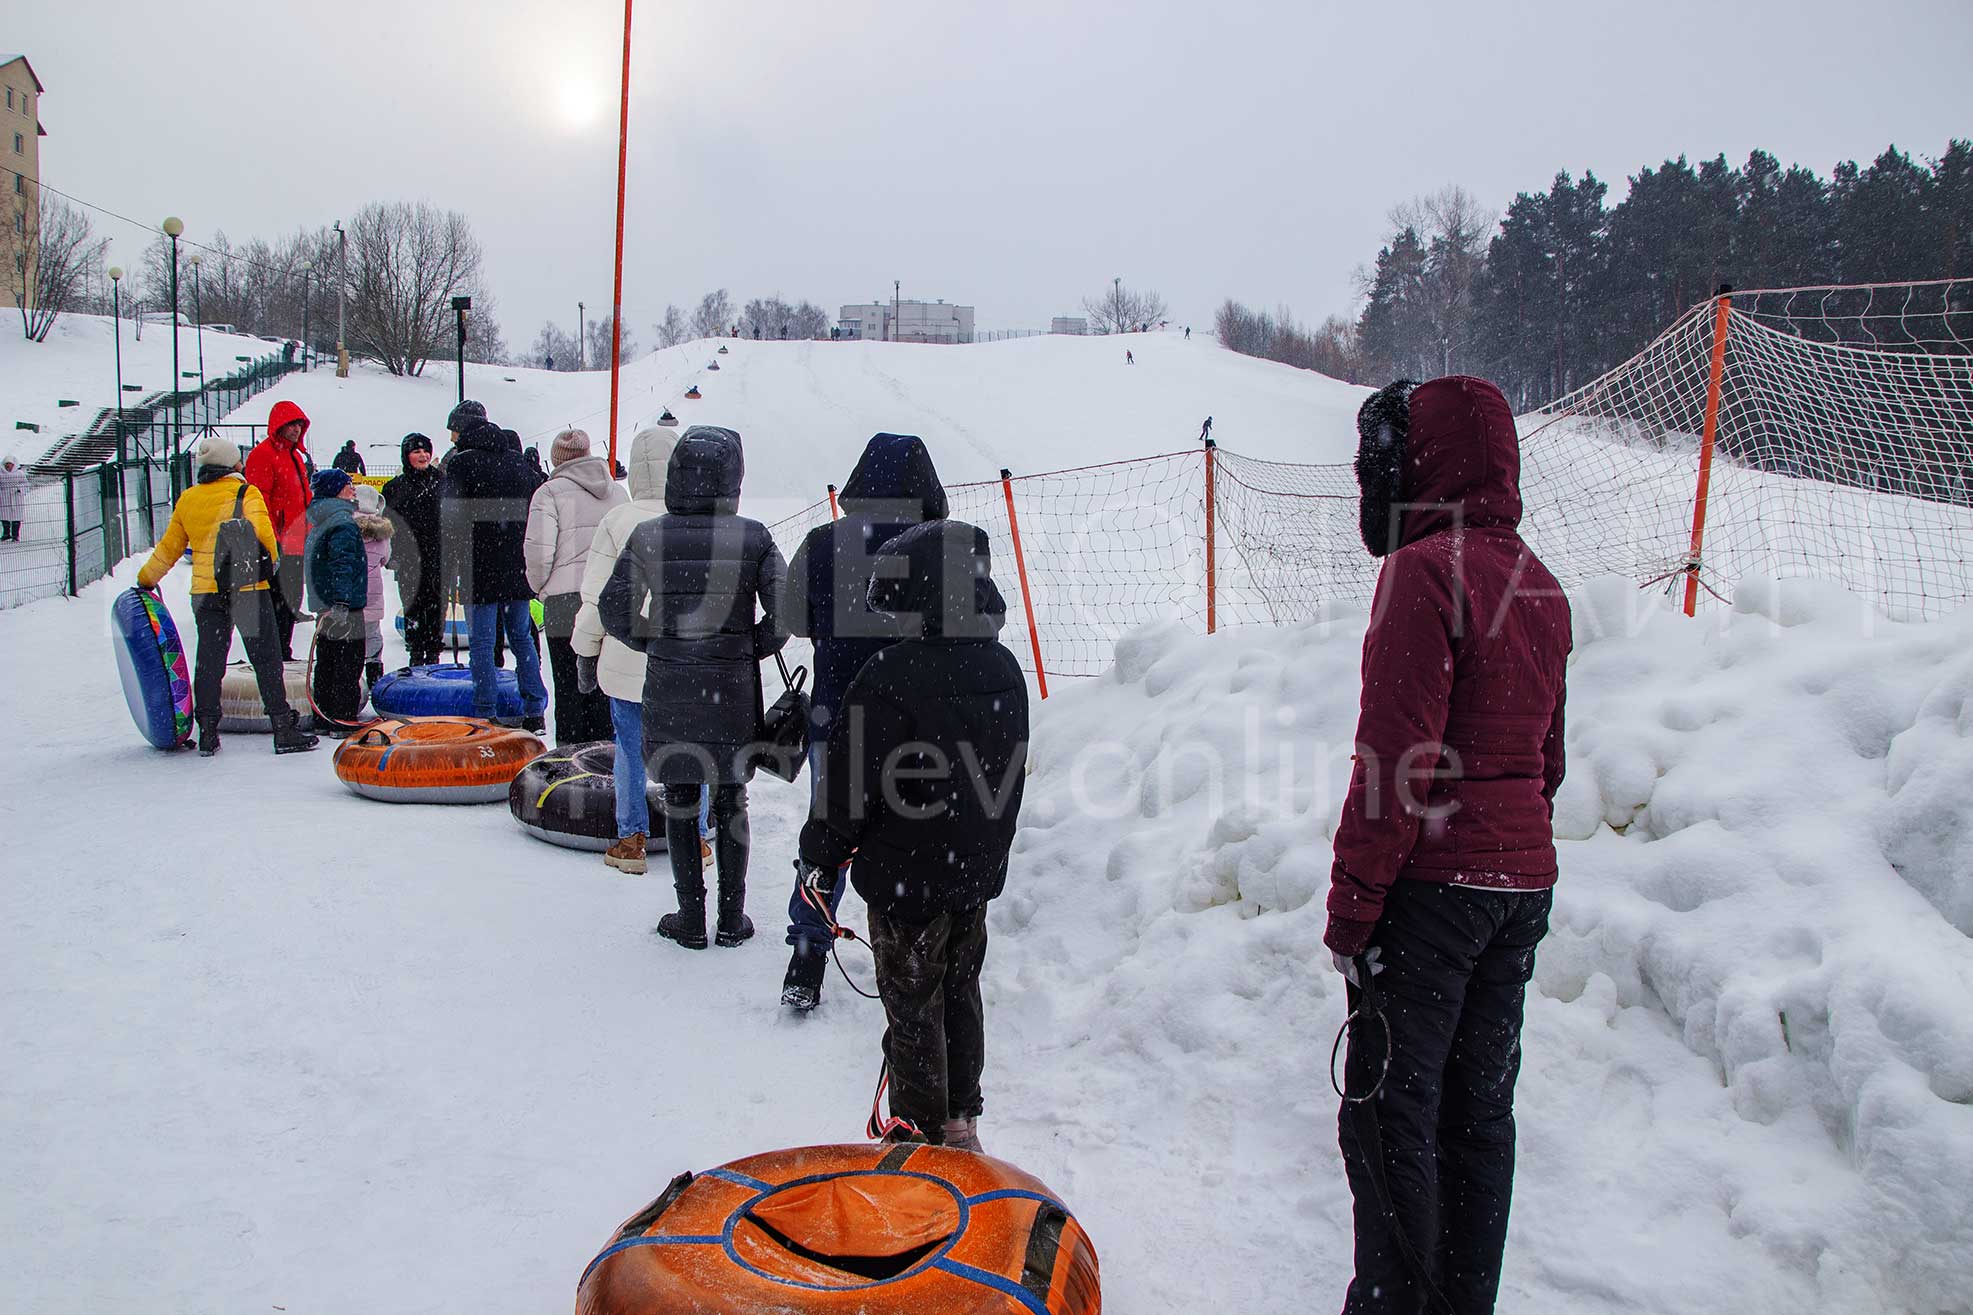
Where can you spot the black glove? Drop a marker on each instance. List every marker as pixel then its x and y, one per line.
pixel 586 680
pixel 820 880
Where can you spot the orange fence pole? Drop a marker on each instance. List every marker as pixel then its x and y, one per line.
pixel 1212 575
pixel 616 302
pixel 835 512
pixel 1706 442
pixel 1021 566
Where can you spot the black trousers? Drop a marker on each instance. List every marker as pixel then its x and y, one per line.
pixel 424 615
pixel 935 1039
pixel 338 683
pixel 287 591
pixel 1457 962
pixel 579 717
pixel 216 617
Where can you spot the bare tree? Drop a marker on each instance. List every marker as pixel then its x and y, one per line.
pixel 552 350
pixel 671 330
pixel 599 344
pixel 406 262
pixel 485 344
pixel 810 321
pixel 714 317
pixel 52 251
pixel 1121 310
pixel 1454 229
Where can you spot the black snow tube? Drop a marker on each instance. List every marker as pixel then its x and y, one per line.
pixel 568 797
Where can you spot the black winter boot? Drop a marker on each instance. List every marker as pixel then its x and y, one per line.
pixel 372 673
pixel 688 925
pixel 289 737
pixel 801 989
pixel 208 741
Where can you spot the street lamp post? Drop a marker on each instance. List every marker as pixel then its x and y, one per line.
pixel 199 332
pixel 342 296
pixel 172 227
pixel 581 334
pixel 116 321
pixel 307 287
pixel 460 305
pixel 897 286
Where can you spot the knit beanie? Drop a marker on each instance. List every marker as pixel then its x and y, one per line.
pixel 568 445
pixel 216 451
pixel 462 414
pixel 329 483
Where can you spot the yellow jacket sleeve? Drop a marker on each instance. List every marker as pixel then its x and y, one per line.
pixel 165 556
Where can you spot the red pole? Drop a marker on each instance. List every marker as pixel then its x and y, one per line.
pixel 835 512
pixel 1212 575
pixel 616 301
pixel 1706 449
pixel 1021 565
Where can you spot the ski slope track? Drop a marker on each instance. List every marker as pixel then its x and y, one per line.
pixel 269 1045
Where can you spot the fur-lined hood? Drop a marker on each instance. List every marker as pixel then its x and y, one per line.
pixel 376 529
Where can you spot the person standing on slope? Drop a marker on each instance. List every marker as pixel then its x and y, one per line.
pixel 1444 857
pixel 698 592
pixel 281 469
pixel 412 499
pixel 338 587
pixel 13 500
pixel 483 509
pixel 922 783
pixel 893 487
pixel 378 531
pixel 348 460
pixel 562 521
pixel 228 595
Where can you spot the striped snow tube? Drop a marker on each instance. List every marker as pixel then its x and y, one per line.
pixel 441 690
pixel 434 760
pixel 568 797
pixel 240 708
pixel 150 663
pixel 872 1229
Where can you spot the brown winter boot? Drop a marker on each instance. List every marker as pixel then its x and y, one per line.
pixel 627 855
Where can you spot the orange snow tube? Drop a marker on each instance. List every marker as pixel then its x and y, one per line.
pixel 434 760
pixel 870 1229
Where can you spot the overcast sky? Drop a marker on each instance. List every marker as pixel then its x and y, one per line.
pixel 1013 155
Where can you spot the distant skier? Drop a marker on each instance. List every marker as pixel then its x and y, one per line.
pixel 1188 333
pixel 1128 358
pixel 349 461
pixel 1445 854
pixel 1206 431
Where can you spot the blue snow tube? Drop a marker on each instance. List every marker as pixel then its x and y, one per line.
pixel 150 661
pixel 443 690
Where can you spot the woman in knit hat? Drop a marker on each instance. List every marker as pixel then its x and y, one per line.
pixel 562 520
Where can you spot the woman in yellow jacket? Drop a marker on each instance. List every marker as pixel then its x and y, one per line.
pixel 195 523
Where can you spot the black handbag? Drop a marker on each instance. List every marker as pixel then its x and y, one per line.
pixel 239 559
pixel 783 741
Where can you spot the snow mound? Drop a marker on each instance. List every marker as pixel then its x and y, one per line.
pixel 1747 1044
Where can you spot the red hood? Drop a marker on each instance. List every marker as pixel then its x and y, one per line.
pixel 284 412
pixel 1462 459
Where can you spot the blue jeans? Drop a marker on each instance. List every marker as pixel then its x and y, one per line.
pixel 512 618
pixel 633 807
pixel 804 923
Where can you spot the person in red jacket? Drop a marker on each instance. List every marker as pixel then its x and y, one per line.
pixel 1445 856
pixel 281 469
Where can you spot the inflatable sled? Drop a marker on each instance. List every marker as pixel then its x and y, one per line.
pixel 240 710
pixel 568 797
pixel 722 350
pixel 150 661
pixel 873 1229
pixel 438 760
pixel 713 366
pixel 443 690
pixel 457 632
pixel 693 392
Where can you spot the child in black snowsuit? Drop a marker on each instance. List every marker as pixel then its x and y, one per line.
pixel 922 782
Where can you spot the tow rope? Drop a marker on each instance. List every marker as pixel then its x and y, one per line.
pixel 880 1124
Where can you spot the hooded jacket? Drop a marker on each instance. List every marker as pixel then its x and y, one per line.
pixel 281 471
pixel 893 487
pixel 377 532
pixel 195 522
pixel 412 501
pixel 620 669
pixel 1459 741
pixel 349 460
pixel 484 512
pixel 926 762
pixel 562 521
pixel 338 571
pixel 13 494
pixel 698 592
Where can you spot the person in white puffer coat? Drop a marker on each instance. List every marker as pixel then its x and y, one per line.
pixel 562 520
pixel 613 667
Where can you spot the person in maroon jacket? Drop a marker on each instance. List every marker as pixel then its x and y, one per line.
pixel 1444 855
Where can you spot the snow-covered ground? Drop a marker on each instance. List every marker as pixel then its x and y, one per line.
pixel 271 1045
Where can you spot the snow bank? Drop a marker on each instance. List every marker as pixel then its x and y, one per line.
pixel 1747 1046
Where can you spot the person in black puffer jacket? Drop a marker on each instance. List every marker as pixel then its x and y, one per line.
pixel 698 592
pixel 893 487
pixel 922 782
pixel 412 500
pixel 484 512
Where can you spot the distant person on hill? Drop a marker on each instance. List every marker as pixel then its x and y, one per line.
pixel 377 532
pixel 338 587
pixel 13 500
pixel 1128 358
pixel 349 460
pixel 228 594
pixel 1188 333
pixel 484 512
pixel 281 468
pixel 921 786
pixel 1444 857
pixel 893 487
pixel 698 591
pixel 562 521
pixel 412 500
